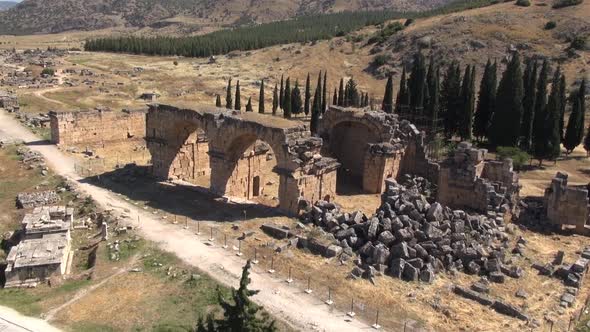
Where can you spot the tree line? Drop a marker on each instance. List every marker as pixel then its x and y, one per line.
pixel 298 30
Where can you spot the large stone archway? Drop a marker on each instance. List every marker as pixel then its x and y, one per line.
pixel 304 175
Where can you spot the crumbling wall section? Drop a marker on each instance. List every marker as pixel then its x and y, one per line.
pixel 97 128
pixel 567 205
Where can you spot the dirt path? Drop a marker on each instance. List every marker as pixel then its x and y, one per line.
pixel 286 302
pixel 41 94
pixel 12 321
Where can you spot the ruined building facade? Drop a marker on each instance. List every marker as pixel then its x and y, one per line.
pixel 566 205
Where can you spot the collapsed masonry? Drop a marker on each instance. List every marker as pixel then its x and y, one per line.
pixel 8 101
pixel 44 249
pixel 35 199
pixel 567 206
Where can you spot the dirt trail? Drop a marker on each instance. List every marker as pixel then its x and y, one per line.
pixel 12 321
pixel 283 301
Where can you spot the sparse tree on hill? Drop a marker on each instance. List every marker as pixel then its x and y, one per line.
pixel 485 103
pixel 528 104
pixel 275 100
pixel 307 95
pixel 249 105
pixel 238 105
pixel 387 105
pixel 505 128
pixel 228 97
pixel 287 99
pixel 296 99
pixel 218 101
pixel 261 98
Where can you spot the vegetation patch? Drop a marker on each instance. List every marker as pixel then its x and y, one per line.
pixel 566 3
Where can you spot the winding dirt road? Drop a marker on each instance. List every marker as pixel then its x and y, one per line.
pixel 290 304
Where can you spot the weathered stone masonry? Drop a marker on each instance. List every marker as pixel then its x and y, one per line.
pixel 567 205
pixel 97 128
pixel 304 174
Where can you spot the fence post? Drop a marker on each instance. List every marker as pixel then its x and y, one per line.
pixel 255 260
pixel 308 290
pixel 198 228
pixel 239 248
pixel 272 265
pixel 224 241
pixel 329 300
pixel 376 326
pixel 186 222
pixel 289 279
pixel 351 313
pixel 212 239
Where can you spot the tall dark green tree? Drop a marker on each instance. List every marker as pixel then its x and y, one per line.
pixel 287 99
pixel 240 314
pixel 387 105
pixel 468 101
pixel 553 119
pixel 528 105
pixel 238 105
pixel 451 99
pixel 434 98
pixel 352 97
pixel 249 105
pixel 562 103
pixel 575 126
pixel 307 95
pixel 505 128
pixel 325 92
pixel 341 93
pixel 228 97
pixel 282 93
pixel 485 102
pixel 218 101
pixel 296 99
pixel 430 77
pixel 417 83
pixel 315 112
pixel 261 98
pixel 335 98
pixel 275 100
pixel 540 110
pixel 402 102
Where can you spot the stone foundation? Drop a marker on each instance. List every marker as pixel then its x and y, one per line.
pixel 567 205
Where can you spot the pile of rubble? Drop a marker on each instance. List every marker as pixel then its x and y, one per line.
pixel 35 199
pixel 29 157
pixel 412 239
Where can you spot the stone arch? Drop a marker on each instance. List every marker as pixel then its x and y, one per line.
pixel 192 162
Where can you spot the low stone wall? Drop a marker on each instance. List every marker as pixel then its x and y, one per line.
pixel 567 205
pixel 97 128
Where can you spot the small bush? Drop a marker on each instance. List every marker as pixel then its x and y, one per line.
pixel 386 32
pixel 566 3
pixel 519 157
pixel 380 60
pixel 408 22
pixel 523 3
pixel 175 63
pixel 578 43
pixel 48 71
pixel 550 25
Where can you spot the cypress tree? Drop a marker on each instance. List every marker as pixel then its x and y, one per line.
pixel 575 126
pixel 387 105
pixel 563 104
pixel 315 112
pixel 218 101
pixel 325 92
pixel 450 98
pixel 320 86
pixel 416 83
pixel 341 93
pixel 540 110
pixel 485 103
pixel 249 105
pixel 528 104
pixel 238 105
pixel 296 99
pixel 430 76
pixel 307 95
pixel 466 118
pixel 352 98
pixel 552 124
pixel 282 93
pixel 434 103
pixel 287 99
pixel 505 128
pixel 402 100
pixel 275 100
pixel 335 98
pixel 261 98
pixel 228 97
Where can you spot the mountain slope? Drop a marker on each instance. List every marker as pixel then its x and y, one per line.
pixel 4 5
pixel 52 16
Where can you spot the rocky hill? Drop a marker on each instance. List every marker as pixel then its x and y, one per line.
pixel 52 16
pixel 5 5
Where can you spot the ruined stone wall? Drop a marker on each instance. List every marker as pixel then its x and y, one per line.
pixel 415 160
pixel 192 162
pixel 97 128
pixel 567 205
pixel 254 169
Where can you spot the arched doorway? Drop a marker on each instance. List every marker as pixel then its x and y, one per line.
pixel 192 161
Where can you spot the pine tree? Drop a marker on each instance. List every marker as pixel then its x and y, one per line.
pixel 241 314
pixel 315 112
pixel 402 101
pixel 228 97
pixel 352 98
pixel 485 103
pixel 218 101
pixel 575 126
pixel 387 105
pixel 238 105
pixel 261 98
pixel 249 105
pixel 325 92
pixel 505 128
pixel 275 100
pixel 528 104
pixel 296 99
pixel 282 93
pixel 307 95
pixel 417 83
pixel 341 93
pixel 287 99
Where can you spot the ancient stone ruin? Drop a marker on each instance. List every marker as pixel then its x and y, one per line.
pixel 44 249
pixel 35 199
pixel 567 206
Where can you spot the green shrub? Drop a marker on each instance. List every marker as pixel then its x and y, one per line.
pixel 519 157
pixel 550 25
pixel 523 3
pixel 381 59
pixel 48 71
pixel 578 43
pixel 175 63
pixel 388 31
pixel 408 22
pixel 566 3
